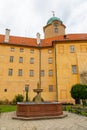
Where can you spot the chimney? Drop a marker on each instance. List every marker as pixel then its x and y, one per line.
pixel 38 38
pixel 65 36
pixel 7 34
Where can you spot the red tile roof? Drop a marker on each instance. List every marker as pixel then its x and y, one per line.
pixel 15 40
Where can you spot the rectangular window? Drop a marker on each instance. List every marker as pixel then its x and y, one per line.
pixel 50 88
pixel 74 69
pixel 50 51
pixel 11 58
pixel 72 49
pixel 12 49
pixel 31 73
pixel 20 72
pixel 31 60
pixel 56 30
pixel 50 72
pixel 10 72
pixel 50 60
pixel 32 51
pixel 42 73
pixel 26 87
pixel 20 59
pixel 21 49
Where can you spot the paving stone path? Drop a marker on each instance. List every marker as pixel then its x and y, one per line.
pixel 71 122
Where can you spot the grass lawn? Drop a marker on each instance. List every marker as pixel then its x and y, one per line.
pixel 7 108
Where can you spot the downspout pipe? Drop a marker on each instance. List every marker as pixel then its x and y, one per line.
pixel 56 73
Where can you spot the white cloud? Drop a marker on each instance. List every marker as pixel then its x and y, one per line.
pixel 27 17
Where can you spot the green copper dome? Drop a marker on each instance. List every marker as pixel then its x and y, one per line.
pixel 53 19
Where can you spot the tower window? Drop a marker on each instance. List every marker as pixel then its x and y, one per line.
pixel 55 24
pixel 56 30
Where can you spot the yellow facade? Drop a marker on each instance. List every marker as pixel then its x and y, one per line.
pixel 58 58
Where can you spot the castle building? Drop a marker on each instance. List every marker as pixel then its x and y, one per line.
pixel 57 62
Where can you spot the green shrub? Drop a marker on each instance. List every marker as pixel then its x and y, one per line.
pixel 18 98
pixel 4 102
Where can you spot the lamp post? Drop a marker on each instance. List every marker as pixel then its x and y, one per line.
pixel 26 90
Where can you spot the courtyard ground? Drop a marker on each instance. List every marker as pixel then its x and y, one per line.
pixel 71 122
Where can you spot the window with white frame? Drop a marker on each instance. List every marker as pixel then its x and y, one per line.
pixel 31 60
pixel 49 51
pixel 11 58
pixel 20 59
pixel 72 48
pixel 20 72
pixel 32 51
pixel 74 69
pixel 31 73
pixel 50 72
pixel 50 59
pixel 42 73
pixel 12 49
pixel 50 88
pixel 21 49
pixel 10 72
pixel 56 30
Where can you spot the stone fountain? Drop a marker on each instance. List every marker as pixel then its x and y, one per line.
pixel 38 98
pixel 38 108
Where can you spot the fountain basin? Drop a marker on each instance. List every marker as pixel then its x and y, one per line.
pixel 32 109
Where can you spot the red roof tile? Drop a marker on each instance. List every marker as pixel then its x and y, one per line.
pixel 44 42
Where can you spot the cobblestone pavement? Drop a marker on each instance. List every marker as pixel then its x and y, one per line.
pixel 71 122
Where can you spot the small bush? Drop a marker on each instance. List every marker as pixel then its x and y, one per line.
pixel 18 98
pixel 4 102
pixel 1 102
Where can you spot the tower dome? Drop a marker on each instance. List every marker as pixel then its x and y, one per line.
pixel 53 19
pixel 54 27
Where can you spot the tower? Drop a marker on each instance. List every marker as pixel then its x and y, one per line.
pixel 54 27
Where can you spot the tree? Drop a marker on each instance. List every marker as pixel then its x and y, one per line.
pixel 76 92
pixel 83 95
pixel 79 92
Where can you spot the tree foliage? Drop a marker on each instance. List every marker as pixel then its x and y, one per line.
pixel 18 98
pixel 79 92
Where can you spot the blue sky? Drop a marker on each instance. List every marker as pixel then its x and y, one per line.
pixel 27 17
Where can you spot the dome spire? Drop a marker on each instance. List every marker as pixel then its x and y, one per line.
pixel 53 12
